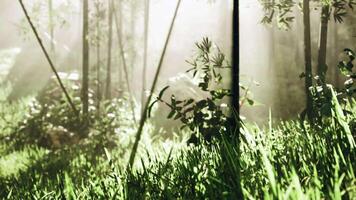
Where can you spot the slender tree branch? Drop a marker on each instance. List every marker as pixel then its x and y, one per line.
pixel 48 58
pixel 144 114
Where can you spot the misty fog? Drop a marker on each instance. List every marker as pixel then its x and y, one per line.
pixel 177 99
pixel 28 57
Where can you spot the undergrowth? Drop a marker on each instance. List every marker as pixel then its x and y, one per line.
pixel 43 154
pixel 288 160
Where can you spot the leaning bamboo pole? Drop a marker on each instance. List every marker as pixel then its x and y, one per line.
pixel 69 100
pixel 144 114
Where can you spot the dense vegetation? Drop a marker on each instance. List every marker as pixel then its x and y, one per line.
pixel 43 158
pixel 287 160
pixel 80 137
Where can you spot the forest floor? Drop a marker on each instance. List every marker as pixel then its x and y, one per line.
pixel 284 160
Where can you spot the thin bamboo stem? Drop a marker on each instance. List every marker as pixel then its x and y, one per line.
pixel 144 114
pixel 108 71
pixel 85 64
pixel 69 100
pixel 124 65
pixel 145 52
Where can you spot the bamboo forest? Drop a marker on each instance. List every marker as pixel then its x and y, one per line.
pixel 178 99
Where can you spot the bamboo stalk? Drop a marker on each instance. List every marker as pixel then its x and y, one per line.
pixel 108 71
pixel 145 51
pixel 124 65
pixel 51 25
pixel 235 99
pixel 144 114
pixel 98 86
pixel 85 64
pixel 119 10
pixel 48 58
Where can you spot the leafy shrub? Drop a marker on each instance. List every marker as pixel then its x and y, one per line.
pixel 51 123
pixel 336 106
pixel 208 117
pixel 347 69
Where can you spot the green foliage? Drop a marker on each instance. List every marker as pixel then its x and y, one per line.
pixel 205 116
pixel 246 95
pixel 335 107
pixel 49 121
pixel 290 161
pixel 322 99
pixel 41 17
pixel 346 69
pixel 340 9
pixel 282 10
pixel 97 32
pixel 327 109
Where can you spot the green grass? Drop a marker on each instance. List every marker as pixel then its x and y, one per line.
pixel 285 160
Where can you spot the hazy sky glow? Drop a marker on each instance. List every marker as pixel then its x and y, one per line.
pixel 196 19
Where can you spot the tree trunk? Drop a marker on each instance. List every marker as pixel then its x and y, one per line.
pixel 85 78
pixel 235 128
pixel 323 39
pixel 335 56
pixel 108 70
pixel 98 79
pixel 235 68
pixel 120 34
pixel 145 51
pixel 133 37
pixel 307 58
pixel 51 26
